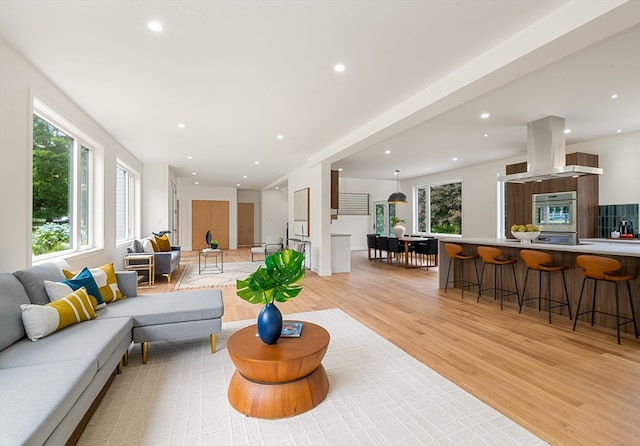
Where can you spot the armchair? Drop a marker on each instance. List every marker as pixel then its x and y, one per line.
pixel 273 244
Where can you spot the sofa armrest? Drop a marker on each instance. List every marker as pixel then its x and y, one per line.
pixel 128 282
pixel 175 248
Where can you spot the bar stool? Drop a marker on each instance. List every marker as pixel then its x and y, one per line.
pixel 541 262
pixel 455 252
pixel 491 256
pixel 600 268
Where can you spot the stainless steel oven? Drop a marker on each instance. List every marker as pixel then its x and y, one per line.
pixel 556 212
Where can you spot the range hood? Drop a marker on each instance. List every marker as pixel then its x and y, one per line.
pixel 546 154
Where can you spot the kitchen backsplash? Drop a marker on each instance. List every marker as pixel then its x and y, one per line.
pixel 610 216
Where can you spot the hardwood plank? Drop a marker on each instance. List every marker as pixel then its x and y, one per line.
pixel 566 387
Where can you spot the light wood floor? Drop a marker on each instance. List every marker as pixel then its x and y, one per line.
pixel 568 388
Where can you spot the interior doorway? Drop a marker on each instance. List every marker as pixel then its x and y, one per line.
pixel 245 224
pixel 209 215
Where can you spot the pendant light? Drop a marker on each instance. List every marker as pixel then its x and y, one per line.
pixel 397 197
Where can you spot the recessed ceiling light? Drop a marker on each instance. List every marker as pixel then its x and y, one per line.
pixel 256 162
pixel 486 135
pixel 386 152
pixel 238 185
pixel 485 115
pixel 280 137
pixel 155 26
pixel 619 131
pixel 340 169
pixel 277 188
pixel 567 131
pixel 244 176
pixel 193 173
pixel 181 125
pixel 396 172
pixel 339 68
pixel 454 159
pixel 614 96
pixel 189 157
pixel 197 182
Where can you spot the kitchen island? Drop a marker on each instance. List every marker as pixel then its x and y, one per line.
pixel 626 252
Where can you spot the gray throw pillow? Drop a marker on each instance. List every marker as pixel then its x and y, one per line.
pixel 136 247
pixel 33 277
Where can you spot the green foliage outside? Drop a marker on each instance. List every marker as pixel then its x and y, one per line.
pixel 50 237
pixel 51 191
pixel 445 208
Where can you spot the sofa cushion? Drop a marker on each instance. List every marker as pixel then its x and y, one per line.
pixel 105 277
pixel 11 297
pixel 58 290
pixel 42 320
pixel 97 338
pixel 33 278
pixel 35 399
pixel 164 245
pixel 167 308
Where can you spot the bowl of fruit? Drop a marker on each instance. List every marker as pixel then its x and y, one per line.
pixel 525 233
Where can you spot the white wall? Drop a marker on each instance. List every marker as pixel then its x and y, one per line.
pixel 619 157
pixel 274 214
pixel 189 192
pixel 19 80
pixel 156 193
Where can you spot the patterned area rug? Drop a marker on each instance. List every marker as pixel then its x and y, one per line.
pixel 212 278
pixel 378 395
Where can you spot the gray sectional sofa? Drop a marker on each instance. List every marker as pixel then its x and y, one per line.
pixel 47 387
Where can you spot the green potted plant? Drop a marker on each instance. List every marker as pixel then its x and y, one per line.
pixel 278 280
pixel 214 244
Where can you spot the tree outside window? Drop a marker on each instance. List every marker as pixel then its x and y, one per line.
pixel 60 191
pixel 439 208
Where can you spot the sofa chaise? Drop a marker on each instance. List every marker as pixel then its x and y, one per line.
pixel 49 388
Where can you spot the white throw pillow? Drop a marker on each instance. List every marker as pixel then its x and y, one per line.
pixel 147 247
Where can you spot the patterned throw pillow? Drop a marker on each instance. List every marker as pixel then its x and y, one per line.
pixel 105 277
pixel 83 278
pixel 59 290
pixel 164 245
pixel 42 320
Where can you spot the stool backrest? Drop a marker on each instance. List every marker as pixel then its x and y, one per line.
pixel 595 267
pixel 452 249
pixel 488 253
pixel 534 259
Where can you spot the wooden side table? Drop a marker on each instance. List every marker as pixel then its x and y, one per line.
pixel 140 262
pixel 280 380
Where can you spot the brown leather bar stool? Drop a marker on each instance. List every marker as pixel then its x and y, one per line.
pixel 541 262
pixel 601 268
pixel 491 256
pixel 455 253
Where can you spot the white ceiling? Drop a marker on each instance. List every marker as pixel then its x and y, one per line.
pixel 419 73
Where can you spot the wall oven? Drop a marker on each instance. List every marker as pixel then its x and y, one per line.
pixel 555 212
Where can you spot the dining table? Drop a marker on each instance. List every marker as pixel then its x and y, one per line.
pixel 408 241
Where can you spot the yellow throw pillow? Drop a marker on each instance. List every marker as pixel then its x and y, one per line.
pixel 42 320
pixel 164 245
pixel 105 277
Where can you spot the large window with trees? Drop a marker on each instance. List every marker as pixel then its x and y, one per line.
pixel 439 208
pixel 61 191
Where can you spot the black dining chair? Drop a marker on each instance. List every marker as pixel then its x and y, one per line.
pixel 394 250
pixel 428 251
pixel 383 245
pixel 372 244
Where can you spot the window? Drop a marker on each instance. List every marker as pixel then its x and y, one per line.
pixel 439 208
pixel 62 185
pixel 125 199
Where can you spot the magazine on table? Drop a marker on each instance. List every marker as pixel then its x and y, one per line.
pixel 291 329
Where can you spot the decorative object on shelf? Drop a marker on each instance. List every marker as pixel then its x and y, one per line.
pixel 398 229
pixel 525 233
pixel 397 196
pixel 210 240
pixel 278 280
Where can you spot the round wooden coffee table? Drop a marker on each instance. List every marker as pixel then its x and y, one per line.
pixel 279 380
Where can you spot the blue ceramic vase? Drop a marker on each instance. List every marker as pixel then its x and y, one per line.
pixel 269 324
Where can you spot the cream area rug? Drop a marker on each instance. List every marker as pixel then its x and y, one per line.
pixel 378 395
pixel 212 278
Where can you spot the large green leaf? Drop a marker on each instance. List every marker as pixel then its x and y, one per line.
pixel 278 280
